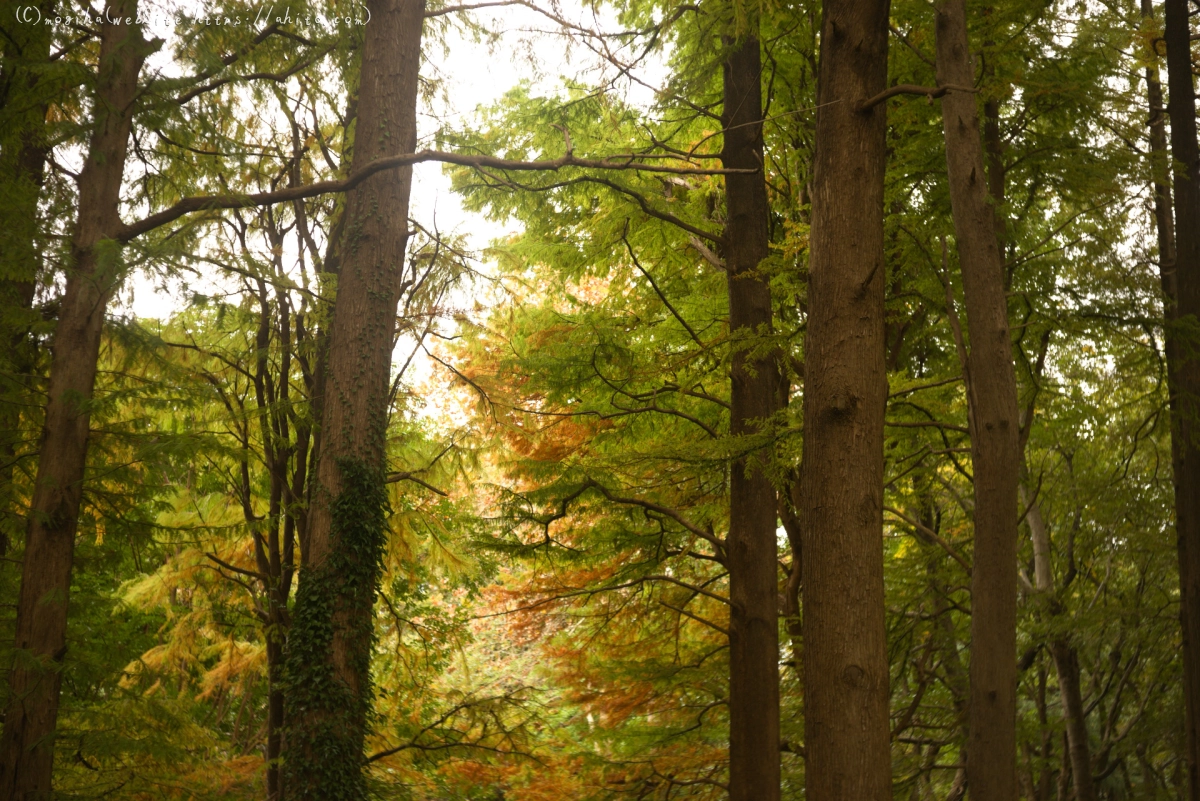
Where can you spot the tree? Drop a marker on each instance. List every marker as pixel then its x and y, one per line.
pixel 332 635
pixel 845 389
pixel 754 398
pixel 26 750
pixel 1182 110
pixel 992 413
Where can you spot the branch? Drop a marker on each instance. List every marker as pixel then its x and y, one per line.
pixel 931 535
pixel 126 233
pixel 251 573
pixel 657 291
pixel 394 477
pixel 696 618
pixel 930 93
pixel 662 510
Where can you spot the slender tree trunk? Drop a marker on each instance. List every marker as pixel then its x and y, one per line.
pixel 27 747
pixel 329 644
pixel 275 719
pixel 752 551
pixel 1164 218
pixel 957 681
pixel 1066 657
pixel 848 754
pixel 995 446
pixel 1066 662
pixel 1186 423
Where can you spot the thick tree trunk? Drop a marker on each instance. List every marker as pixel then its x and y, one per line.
pixel 329 644
pixel 848 755
pixel 995 445
pixel 27 747
pixel 1186 423
pixel 754 770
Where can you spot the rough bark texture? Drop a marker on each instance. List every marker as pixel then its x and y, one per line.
pixel 995 443
pixel 848 754
pixel 27 747
pixel 1186 422
pixel 754 771
pixel 328 662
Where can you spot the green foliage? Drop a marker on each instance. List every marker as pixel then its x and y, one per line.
pixel 538 591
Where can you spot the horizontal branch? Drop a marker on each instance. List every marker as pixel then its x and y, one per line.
pixel 697 618
pixel 127 233
pixel 926 424
pixel 930 93
pixel 250 573
pixel 396 477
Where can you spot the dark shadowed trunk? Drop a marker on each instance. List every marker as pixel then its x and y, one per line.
pixel 1164 218
pixel 848 756
pixel 752 550
pixel 23 150
pixel 1186 422
pixel 27 747
pixel 1066 663
pixel 329 644
pixel 992 411
pixel 286 460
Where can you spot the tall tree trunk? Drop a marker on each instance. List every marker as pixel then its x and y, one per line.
pixel 1164 218
pixel 329 644
pixel 1066 663
pixel 995 445
pixel 848 754
pixel 27 746
pixel 1186 423
pixel 23 150
pixel 1066 657
pixel 754 771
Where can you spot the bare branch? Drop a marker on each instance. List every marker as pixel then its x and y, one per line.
pixel 126 233
pixel 930 93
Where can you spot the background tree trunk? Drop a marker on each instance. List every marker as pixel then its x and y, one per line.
pixel 23 150
pixel 848 754
pixel 329 645
pixel 27 747
pixel 754 771
pixel 1186 423
pixel 1066 658
pixel 995 443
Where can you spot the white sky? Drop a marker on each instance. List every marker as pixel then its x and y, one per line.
pixel 475 74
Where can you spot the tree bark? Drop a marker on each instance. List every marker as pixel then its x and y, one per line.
pixel 1066 657
pixel 995 444
pixel 27 746
pixel 752 552
pixel 329 645
pixel 1186 423
pixel 1066 663
pixel 848 754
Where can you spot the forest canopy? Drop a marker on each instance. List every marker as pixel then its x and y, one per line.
pixel 802 400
